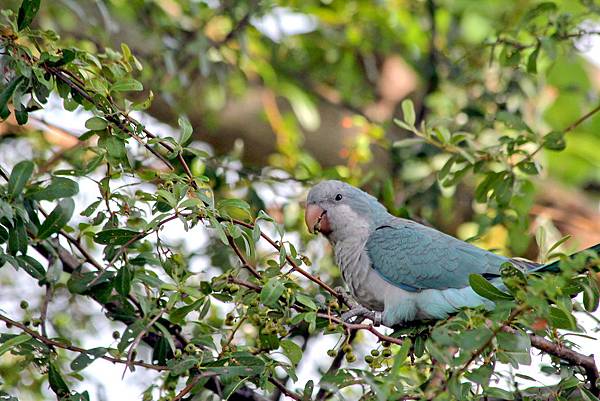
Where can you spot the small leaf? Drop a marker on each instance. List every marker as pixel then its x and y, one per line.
pixel 186 131
pixel 562 319
pixel 32 267
pixel 291 350
pixel 59 217
pixel 408 112
pixel 86 358
pixel 96 124
pixel 532 60
pixel 271 292
pixel 555 140
pixel 6 95
pixel 27 11
pixel 115 236
pixel 19 177
pixel 59 188
pixel 123 280
pixel 486 289
pixel 13 342
pixel 17 239
pixel 403 143
pixel 126 85
pixel 57 383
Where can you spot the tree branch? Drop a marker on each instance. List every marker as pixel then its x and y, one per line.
pixel 57 344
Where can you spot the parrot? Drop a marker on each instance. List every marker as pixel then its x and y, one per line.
pixel 397 270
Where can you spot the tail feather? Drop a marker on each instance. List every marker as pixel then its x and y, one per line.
pixel 554 266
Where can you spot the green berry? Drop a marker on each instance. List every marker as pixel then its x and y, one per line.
pixel 386 353
pixel 374 352
pixel 190 348
pixel 178 353
pixel 350 357
pixel 116 335
pixel 331 352
pixel 331 327
pixel 24 304
pixel 347 348
pixel 369 359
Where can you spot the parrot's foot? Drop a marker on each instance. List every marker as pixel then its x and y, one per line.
pixel 360 312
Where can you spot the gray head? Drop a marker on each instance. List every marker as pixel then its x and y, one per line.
pixel 339 210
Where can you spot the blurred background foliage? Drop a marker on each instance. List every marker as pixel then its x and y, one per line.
pixel 452 112
pixel 313 87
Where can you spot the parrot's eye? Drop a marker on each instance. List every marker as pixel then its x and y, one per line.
pixel 338 197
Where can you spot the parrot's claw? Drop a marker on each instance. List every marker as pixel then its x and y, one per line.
pixel 360 312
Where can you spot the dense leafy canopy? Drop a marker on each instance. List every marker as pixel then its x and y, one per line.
pixel 449 111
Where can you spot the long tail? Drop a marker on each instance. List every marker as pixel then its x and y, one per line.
pixel 553 266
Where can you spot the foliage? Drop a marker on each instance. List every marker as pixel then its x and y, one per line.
pixel 240 326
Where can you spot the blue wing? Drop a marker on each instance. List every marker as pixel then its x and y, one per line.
pixel 415 257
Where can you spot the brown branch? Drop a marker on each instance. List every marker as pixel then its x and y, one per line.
pixel 361 326
pixel 74 348
pixel 44 309
pixel 138 338
pixel 284 389
pixel 292 263
pixel 566 354
pixel 241 257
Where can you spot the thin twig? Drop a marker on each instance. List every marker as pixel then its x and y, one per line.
pixel 586 362
pixel 44 309
pixel 284 389
pixel 74 348
pixel 242 258
pixel 138 338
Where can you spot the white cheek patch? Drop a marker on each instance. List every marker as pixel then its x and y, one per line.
pixel 344 218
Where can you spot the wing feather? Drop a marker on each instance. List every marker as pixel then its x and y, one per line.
pixel 415 257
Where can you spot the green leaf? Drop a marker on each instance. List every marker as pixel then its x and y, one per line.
pixel 555 140
pixel 271 292
pixel 6 95
pixel 115 236
pixel 308 390
pixel 13 342
pixel 59 217
pixel 532 60
pixel 291 350
pixel 481 375
pixel 3 235
pixel 306 301
pixel 17 238
pixel 403 143
pixel 126 85
pixel 486 289
pixel 562 319
pixel 408 112
pixel 59 188
pixel 57 383
pixel 186 131
pixel 19 177
pixel 86 358
pixel 587 395
pixel 32 267
pixel 96 124
pixel 123 280
pixel 178 315
pixel 499 393
pixel 27 11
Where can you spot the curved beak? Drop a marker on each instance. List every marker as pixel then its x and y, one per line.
pixel 316 219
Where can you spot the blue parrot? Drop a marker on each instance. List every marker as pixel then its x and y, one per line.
pixel 399 270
